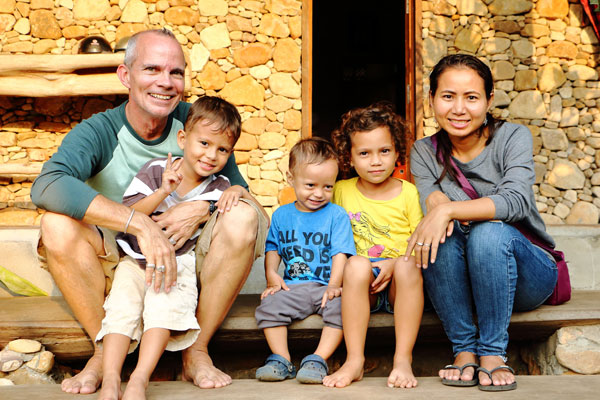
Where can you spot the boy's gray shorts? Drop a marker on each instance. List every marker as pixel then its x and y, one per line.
pixel 302 300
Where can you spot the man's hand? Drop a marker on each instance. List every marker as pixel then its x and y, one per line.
pixel 275 283
pixel 181 221
pixel 331 292
pixel 158 252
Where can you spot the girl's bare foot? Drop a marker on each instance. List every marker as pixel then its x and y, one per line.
pixel 351 371
pixel 500 377
pixel 402 375
pixel 111 387
pixel 136 389
pixel 461 359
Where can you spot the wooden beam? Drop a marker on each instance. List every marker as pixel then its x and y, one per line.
pixel 46 85
pixel 57 63
pixel 13 170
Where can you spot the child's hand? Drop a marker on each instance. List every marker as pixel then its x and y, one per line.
pixel 230 198
pixel 170 177
pixel 331 292
pixel 386 268
pixel 275 283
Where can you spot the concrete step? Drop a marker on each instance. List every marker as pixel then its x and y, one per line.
pixel 581 244
pixel 529 387
pixel 50 320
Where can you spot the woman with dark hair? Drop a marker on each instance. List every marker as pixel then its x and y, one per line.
pixel 477 266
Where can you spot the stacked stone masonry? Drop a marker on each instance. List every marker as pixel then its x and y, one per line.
pixel 543 54
pixel 246 51
pixel 544 58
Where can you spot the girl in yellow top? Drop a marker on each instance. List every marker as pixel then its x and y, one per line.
pixel 384 212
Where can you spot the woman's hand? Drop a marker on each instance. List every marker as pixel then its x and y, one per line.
pixel 435 199
pixel 431 231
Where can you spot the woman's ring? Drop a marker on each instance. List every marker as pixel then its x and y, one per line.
pixel 172 241
pixel 150 266
pixel 160 268
pixel 419 244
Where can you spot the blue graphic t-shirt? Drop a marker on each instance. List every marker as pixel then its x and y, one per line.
pixel 306 241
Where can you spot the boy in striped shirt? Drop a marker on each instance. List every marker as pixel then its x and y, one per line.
pixel 138 309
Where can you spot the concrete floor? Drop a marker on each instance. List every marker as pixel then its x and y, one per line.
pixel 529 387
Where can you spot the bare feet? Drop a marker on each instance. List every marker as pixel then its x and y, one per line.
pixel 136 389
pixel 351 371
pixel 460 360
pixel 111 387
pixel 88 380
pixel 199 369
pixel 402 375
pixel 500 377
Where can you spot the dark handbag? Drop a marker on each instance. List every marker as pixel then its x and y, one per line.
pixel 562 290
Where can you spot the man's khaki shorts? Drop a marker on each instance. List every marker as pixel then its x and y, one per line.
pixel 111 259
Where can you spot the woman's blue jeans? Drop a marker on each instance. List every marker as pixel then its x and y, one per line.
pixel 484 271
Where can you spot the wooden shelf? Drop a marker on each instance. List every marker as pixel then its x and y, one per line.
pixel 62 75
pixel 14 170
pixel 17 63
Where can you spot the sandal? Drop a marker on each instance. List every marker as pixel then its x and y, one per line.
pixel 313 369
pixel 276 368
pixel 459 382
pixel 496 388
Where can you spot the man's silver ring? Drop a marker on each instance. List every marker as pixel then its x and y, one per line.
pixel 160 268
pixel 172 241
pixel 150 266
pixel 419 244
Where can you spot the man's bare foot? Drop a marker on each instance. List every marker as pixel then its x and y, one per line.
pixel 461 359
pixel 199 369
pixel 402 375
pixel 88 380
pixel 111 387
pixel 500 377
pixel 351 371
pixel 136 389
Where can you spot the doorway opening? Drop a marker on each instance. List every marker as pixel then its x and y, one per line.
pixel 358 58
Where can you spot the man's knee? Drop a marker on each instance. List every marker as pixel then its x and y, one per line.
pixel 60 233
pixel 241 221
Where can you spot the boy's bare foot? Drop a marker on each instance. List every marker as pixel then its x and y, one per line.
pixel 111 387
pixel 500 377
pixel 402 375
pixel 198 368
pixel 349 372
pixel 461 359
pixel 136 389
pixel 88 380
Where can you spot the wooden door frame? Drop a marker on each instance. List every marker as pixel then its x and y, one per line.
pixel 307 64
pixel 413 59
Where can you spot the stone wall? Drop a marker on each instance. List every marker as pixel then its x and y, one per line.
pixel 544 57
pixel 246 51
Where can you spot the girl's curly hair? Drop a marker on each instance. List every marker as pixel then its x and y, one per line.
pixel 366 119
